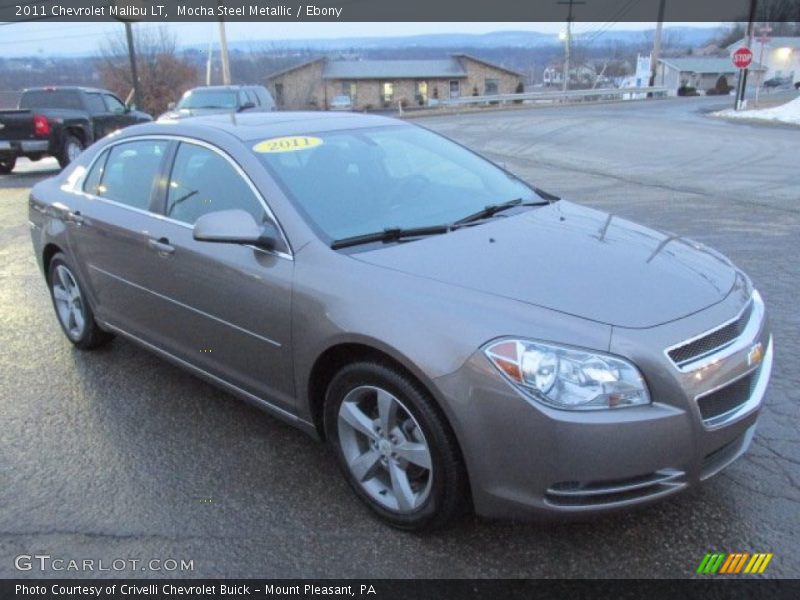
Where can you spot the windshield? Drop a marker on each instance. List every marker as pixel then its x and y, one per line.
pixel 208 99
pixel 354 182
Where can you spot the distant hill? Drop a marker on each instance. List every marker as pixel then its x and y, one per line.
pixel 687 36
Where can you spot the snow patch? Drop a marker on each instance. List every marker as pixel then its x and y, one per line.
pixel 785 113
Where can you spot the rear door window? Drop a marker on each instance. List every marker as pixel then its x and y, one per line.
pixel 129 173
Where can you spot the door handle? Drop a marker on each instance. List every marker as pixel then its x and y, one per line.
pixel 75 218
pixel 161 246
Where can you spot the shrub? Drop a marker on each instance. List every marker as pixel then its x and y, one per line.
pixel 687 90
pixel 520 89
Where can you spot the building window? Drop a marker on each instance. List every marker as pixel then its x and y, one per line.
pixel 421 92
pixel 387 92
pixel 349 89
pixel 455 88
pixel 491 87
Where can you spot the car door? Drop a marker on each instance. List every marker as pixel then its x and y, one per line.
pixel 224 307
pixel 111 234
pixel 121 116
pixel 103 120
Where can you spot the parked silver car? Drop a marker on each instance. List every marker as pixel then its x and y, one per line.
pixel 458 336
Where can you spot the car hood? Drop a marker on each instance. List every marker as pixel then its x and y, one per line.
pixel 575 260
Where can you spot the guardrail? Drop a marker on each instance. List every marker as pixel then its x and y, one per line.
pixel 529 97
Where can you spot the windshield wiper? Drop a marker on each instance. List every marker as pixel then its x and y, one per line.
pixel 390 234
pixel 493 209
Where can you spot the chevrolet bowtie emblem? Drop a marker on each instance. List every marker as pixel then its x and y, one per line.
pixel 756 355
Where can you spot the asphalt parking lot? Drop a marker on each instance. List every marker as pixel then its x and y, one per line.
pixel 117 454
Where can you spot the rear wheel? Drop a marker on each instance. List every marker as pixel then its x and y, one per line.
pixel 72 309
pixel 7 165
pixel 395 449
pixel 71 149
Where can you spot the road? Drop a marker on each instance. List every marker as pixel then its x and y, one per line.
pixel 116 454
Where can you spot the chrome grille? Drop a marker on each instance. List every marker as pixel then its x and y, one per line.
pixel 714 406
pixel 712 342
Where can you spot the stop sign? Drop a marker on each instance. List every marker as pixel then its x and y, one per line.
pixel 743 57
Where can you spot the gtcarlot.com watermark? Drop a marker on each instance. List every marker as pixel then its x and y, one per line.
pixel 48 563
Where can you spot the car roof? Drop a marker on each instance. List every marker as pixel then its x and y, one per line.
pixel 223 87
pixel 66 88
pixel 263 125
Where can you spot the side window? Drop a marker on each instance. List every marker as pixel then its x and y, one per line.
pixel 113 104
pixel 202 181
pixel 251 97
pixel 243 99
pixel 95 104
pixel 91 184
pixel 130 172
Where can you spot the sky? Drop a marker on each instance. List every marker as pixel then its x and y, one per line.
pixel 47 39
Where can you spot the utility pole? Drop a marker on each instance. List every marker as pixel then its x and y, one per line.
pixel 741 85
pixel 657 44
pixel 210 60
pixel 223 51
pixel 568 38
pixel 131 55
pixel 132 58
pixel 763 31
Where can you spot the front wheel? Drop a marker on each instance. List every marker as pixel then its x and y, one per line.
pixel 72 309
pixel 394 447
pixel 7 165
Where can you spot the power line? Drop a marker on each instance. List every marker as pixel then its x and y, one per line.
pixel 614 19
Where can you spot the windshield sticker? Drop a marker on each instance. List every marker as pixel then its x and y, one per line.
pixel 287 144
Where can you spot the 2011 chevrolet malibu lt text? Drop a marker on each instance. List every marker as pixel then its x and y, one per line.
pixel 459 337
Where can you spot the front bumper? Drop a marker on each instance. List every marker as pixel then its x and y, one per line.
pixel 525 459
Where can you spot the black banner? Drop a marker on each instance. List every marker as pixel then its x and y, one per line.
pixel 397 589
pixel 610 11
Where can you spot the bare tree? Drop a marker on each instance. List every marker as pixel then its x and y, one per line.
pixel 163 75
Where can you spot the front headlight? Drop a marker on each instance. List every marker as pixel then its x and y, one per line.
pixel 568 378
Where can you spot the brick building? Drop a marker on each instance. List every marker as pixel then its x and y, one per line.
pixel 376 84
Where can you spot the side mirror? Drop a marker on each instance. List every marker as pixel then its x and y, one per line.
pixel 246 106
pixel 171 106
pixel 237 226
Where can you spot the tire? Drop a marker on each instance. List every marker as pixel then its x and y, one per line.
pixel 72 309
pixel 71 147
pixel 404 494
pixel 7 165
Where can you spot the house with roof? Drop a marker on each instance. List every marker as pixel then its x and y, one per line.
pixel 377 84
pixel 700 73
pixel 780 56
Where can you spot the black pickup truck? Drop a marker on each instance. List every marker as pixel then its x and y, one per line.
pixel 60 122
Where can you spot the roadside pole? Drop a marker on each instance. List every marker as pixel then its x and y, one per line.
pixel 656 45
pixel 568 39
pixel 763 39
pixel 132 58
pixel 223 51
pixel 741 85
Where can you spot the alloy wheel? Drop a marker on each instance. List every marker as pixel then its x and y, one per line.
pixel 385 449
pixel 69 302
